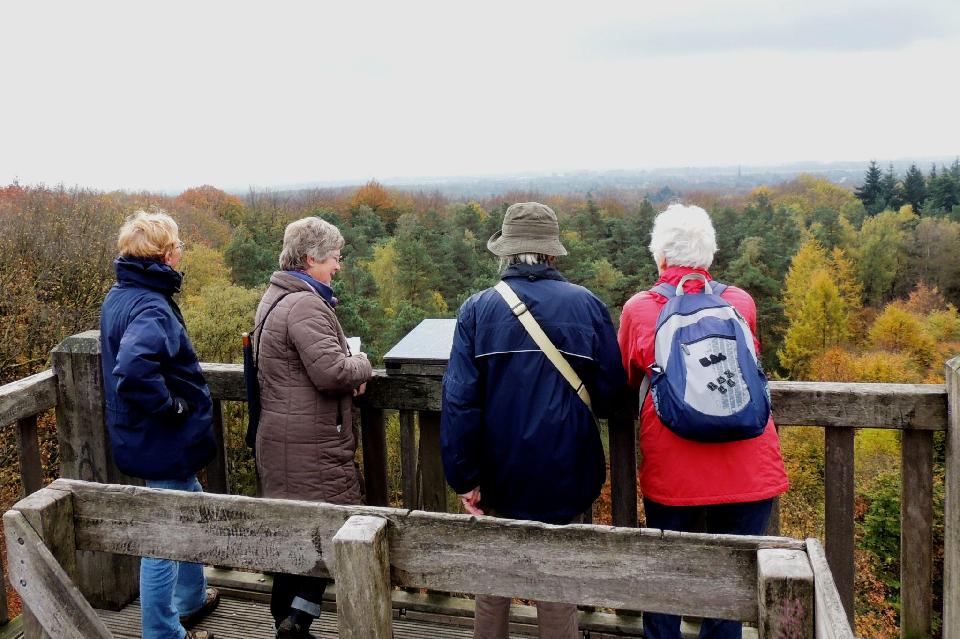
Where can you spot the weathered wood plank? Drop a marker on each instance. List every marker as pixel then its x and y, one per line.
pixel 843 405
pixel 373 432
pixel 830 618
pixel 363 579
pixel 951 535
pixel 50 513
pixel 28 452
pixel 433 484
pixel 681 573
pixel 107 582
pixel 917 406
pixel 622 433
pixel 916 534
pixel 218 479
pixel 408 459
pixel 28 396
pixel 44 584
pixel 785 594
pixel 838 511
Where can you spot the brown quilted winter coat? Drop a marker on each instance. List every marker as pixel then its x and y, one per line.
pixel 306 440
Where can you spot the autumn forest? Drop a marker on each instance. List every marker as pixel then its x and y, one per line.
pixel 851 285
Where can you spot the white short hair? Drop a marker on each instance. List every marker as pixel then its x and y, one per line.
pixel 310 236
pixel 683 236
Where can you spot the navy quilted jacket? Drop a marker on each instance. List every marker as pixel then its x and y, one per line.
pixel 511 424
pixel 147 361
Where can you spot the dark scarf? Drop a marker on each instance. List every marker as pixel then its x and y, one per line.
pixel 322 289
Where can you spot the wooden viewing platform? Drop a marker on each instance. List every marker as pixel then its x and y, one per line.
pixel 618 568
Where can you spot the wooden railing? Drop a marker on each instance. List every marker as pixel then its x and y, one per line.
pixel 781 585
pixel 75 388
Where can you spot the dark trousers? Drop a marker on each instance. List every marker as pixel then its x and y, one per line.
pixel 296 592
pixel 748 518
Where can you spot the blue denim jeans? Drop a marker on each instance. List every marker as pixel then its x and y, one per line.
pixel 169 589
pixel 748 518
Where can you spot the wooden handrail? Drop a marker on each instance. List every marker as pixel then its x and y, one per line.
pixel 765 580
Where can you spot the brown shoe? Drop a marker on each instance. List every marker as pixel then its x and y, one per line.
pixel 189 621
pixel 199 634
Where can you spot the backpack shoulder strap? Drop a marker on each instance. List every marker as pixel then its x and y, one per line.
pixel 519 309
pixel 264 321
pixel 718 287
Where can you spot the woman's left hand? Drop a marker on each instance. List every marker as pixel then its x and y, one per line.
pixel 360 390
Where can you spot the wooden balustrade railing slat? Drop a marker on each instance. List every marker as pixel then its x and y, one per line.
pixel 374 436
pixel 218 480
pixel 408 460
pixel 916 533
pixel 838 511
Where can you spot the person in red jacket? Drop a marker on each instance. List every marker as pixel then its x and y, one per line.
pixel 729 485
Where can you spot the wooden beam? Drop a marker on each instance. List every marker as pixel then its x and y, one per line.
pixel 916 534
pixel 42 558
pixel 838 511
pixel 27 396
pixel 408 459
pixel 364 606
pixel 108 582
pixel 218 475
pixel 374 435
pixel 951 534
pixel 433 484
pixel 784 594
pixel 843 405
pixel 846 405
pixel 622 433
pixel 830 617
pixel 28 452
pixel 679 573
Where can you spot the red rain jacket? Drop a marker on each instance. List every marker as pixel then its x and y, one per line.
pixel 676 471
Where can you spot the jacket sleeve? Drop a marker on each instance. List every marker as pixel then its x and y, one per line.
pixel 150 342
pixel 637 325
pixel 316 336
pixel 461 419
pixel 610 381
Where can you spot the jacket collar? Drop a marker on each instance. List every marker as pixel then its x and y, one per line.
pixel 533 272
pixel 289 282
pixel 325 291
pixel 148 273
pixel 673 275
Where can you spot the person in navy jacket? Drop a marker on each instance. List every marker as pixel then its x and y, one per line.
pixel 158 406
pixel 517 441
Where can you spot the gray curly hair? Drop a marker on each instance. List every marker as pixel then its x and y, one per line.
pixel 311 237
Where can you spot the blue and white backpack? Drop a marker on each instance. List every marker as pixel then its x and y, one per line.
pixel 707 383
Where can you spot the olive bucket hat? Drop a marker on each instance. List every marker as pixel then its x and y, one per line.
pixel 528 227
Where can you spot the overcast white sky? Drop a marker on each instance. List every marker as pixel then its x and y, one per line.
pixel 167 95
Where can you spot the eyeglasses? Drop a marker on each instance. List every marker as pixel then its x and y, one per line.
pixel 180 245
pixel 339 258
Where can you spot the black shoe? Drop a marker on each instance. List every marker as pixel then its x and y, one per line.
pixel 290 629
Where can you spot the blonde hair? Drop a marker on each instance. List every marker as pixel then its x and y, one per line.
pixel 310 236
pixel 150 233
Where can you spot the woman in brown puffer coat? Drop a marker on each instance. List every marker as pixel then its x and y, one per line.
pixel 306 440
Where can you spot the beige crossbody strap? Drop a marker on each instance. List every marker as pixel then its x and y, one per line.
pixel 533 328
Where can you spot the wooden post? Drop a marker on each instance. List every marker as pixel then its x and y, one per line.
pixel 28 450
pixel 433 485
pixel 622 433
pixel 107 581
pixel 364 606
pixel 951 533
pixel 916 539
pixel 218 477
pixel 373 432
pixel 784 594
pixel 408 459
pixel 839 511
pixel 42 556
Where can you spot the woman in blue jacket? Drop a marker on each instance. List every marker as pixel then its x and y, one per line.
pixel 158 406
